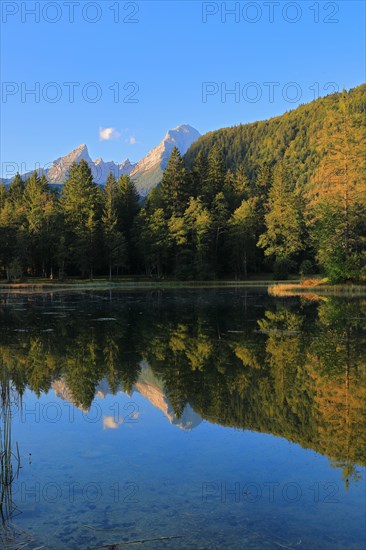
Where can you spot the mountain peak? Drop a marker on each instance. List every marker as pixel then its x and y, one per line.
pixel 80 152
pixel 127 162
pixel 185 128
pixel 181 130
pixel 148 172
pixel 80 148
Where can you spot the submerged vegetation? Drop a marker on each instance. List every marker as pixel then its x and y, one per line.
pixel 282 196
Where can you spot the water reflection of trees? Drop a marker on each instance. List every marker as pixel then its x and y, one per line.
pixel 294 369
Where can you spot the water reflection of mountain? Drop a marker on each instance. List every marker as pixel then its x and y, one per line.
pixel 291 368
pixel 147 385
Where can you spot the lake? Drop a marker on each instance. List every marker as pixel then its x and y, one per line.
pixel 191 418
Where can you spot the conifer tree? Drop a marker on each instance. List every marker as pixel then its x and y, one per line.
pixel 127 208
pixel 198 223
pixel 336 209
pixel 174 185
pixel 114 239
pixel 282 239
pixel 243 235
pixel 127 203
pixel 242 185
pixel 153 240
pixel 198 174
pixel 81 202
pixel 16 189
pixel 220 217
pixel 34 201
pixel 215 177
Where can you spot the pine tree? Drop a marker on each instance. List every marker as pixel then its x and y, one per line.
pixel 81 202
pixel 262 185
pixel 243 235
pixel 220 217
pixel 180 251
pixel 154 200
pixel 8 239
pixel 34 201
pixel 127 208
pixel 198 223
pixel 264 178
pixel 174 185
pixel 16 189
pixel 229 190
pixel 215 177
pixel 242 187
pixel 114 240
pixel 153 241
pixel 127 203
pixel 198 174
pixel 53 228
pixel 283 236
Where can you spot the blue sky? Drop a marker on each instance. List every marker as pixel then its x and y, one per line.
pixel 168 50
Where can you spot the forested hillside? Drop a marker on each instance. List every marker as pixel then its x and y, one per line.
pixel 303 137
pixel 286 195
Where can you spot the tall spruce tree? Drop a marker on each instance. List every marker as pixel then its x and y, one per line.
pixel 81 202
pixel 198 174
pixel 34 200
pixel 16 189
pixel 174 185
pixel 282 239
pixel 155 237
pixel 243 236
pixel 215 175
pixel 114 240
pixel 127 208
pixel 219 217
pixel 198 222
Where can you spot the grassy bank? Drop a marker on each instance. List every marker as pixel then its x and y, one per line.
pixel 316 287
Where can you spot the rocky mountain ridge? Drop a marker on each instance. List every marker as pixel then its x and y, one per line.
pixel 146 173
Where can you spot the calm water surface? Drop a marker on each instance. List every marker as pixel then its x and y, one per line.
pixel 218 418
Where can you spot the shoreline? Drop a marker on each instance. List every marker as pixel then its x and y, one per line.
pixel 127 285
pixel 283 290
pixel 277 289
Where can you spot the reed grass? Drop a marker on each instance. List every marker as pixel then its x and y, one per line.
pixel 9 459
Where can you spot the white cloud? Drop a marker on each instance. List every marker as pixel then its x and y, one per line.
pixel 108 133
pixel 132 140
pixel 111 423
